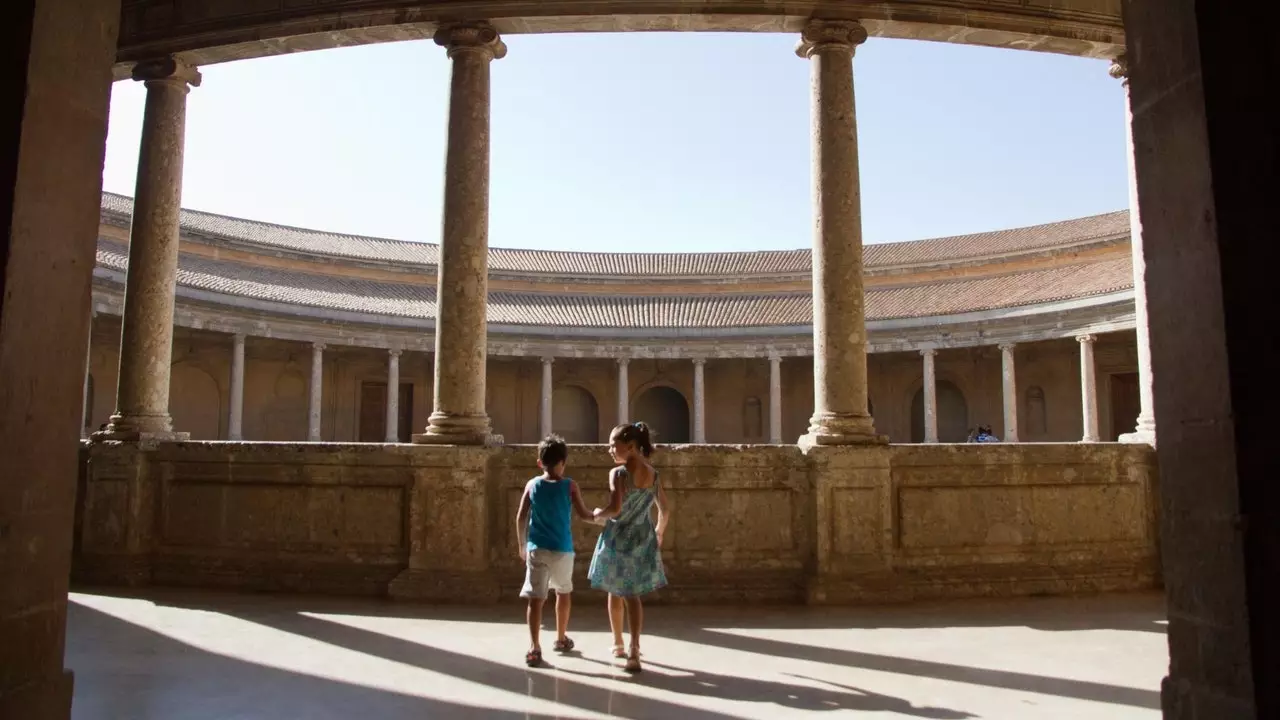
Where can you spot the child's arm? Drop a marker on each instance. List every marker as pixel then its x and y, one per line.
pixel 615 497
pixel 579 507
pixel 522 522
pixel 664 513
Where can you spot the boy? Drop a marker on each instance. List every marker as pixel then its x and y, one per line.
pixel 546 543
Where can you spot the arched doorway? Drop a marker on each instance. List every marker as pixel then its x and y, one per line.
pixel 195 402
pixel 575 415
pixel 665 410
pixel 953 414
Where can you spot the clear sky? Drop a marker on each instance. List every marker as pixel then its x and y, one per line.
pixel 647 142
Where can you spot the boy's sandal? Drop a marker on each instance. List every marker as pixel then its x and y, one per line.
pixel 533 658
pixel 565 645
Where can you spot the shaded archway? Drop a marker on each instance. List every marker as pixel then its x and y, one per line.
pixel 666 411
pixel 575 414
pixel 196 403
pixel 953 414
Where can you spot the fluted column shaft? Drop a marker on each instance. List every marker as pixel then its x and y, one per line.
pixel 1145 424
pixel 1010 385
pixel 930 396
pixel 545 407
pixel 699 400
pixel 624 392
pixel 459 415
pixel 235 419
pixel 317 392
pixel 839 324
pixel 775 399
pixel 1088 389
pixel 393 396
pixel 146 337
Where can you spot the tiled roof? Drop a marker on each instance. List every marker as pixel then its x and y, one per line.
pixel 344 293
pixel 965 247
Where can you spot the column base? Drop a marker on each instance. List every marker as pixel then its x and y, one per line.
pixel 138 436
pixel 1144 434
pixel 451 429
pixel 840 429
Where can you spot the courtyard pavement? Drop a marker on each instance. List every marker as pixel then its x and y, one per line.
pixel 212 656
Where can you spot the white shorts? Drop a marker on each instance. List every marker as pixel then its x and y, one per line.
pixel 545 568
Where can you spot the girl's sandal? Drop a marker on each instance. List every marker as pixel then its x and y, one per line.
pixel 564 646
pixel 620 652
pixel 533 658
pixel 633 661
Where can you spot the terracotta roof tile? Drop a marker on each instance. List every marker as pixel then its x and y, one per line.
pixel 344 293
pixel 729 264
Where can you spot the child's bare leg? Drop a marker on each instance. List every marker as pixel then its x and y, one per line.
pixel 564 603
pixel 616 609
pixel 635 619
pixel 534 616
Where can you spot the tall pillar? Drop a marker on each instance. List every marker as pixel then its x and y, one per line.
pixel 1088 389
pixel 393 396
pixel 85 400
pixel 545 405
pixel 317 392
pixel 699 400
pixel 624 392
pixel 459 416
pixel 1145 425
pixel 930 396
pixel 235 423
pixel 775 399
pixel 146 337
pixel 53 129
pixel 1008 374
pixel 840 414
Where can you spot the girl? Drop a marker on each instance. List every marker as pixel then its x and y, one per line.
pixel 628 562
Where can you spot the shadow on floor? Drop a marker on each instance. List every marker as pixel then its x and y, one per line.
pixel 790 696
pixel 123 671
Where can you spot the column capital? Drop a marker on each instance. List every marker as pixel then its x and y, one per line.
pixel 167 69
pixel 547 359
pixel 698 360
pixel 1007 347
pixel 239 338
pixel 471 37
pixel 622 361
pixel 929 351
pixel 774 357
pixel 1085 338
pixel 1119 67
pixel 395 352
pixel 318 347
pixel 822 35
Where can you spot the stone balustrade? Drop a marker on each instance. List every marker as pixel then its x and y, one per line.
pixel 759 523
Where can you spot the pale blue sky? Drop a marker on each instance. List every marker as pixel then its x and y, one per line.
pixel 647 142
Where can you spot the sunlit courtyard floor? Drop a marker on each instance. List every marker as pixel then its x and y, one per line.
pixel 189 656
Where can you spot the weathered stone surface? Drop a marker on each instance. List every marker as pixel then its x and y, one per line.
pixel 758 523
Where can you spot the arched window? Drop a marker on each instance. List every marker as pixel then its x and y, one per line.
pixel 953 414
pixel 752 419
pixel 1037 415
pixel 666 411
pixel 575 414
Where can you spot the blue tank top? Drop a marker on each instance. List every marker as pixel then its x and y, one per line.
pixel 549 515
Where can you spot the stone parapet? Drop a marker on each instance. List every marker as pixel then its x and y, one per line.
pixel 831 525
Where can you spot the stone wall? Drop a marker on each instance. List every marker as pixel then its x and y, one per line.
pixel 761 523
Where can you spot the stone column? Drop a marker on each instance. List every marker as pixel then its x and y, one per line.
pixel 85 400
pixel 930 396
pixel 840 414
pixel 235 423
pixel 547 390
pixel 393 396
pixel 624 392
pixel 1088 389
pixel 146 338
pixel 317 394
pixel 1010 383
pixel 699 400
pixel 1145 425
pixel 459 416
pixel 775 399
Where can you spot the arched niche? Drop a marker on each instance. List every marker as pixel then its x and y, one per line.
pixel 575 415
pixel 953 414
pixel 195 402
pixel 666 411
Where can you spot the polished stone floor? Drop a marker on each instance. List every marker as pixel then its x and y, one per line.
pixel 183 656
